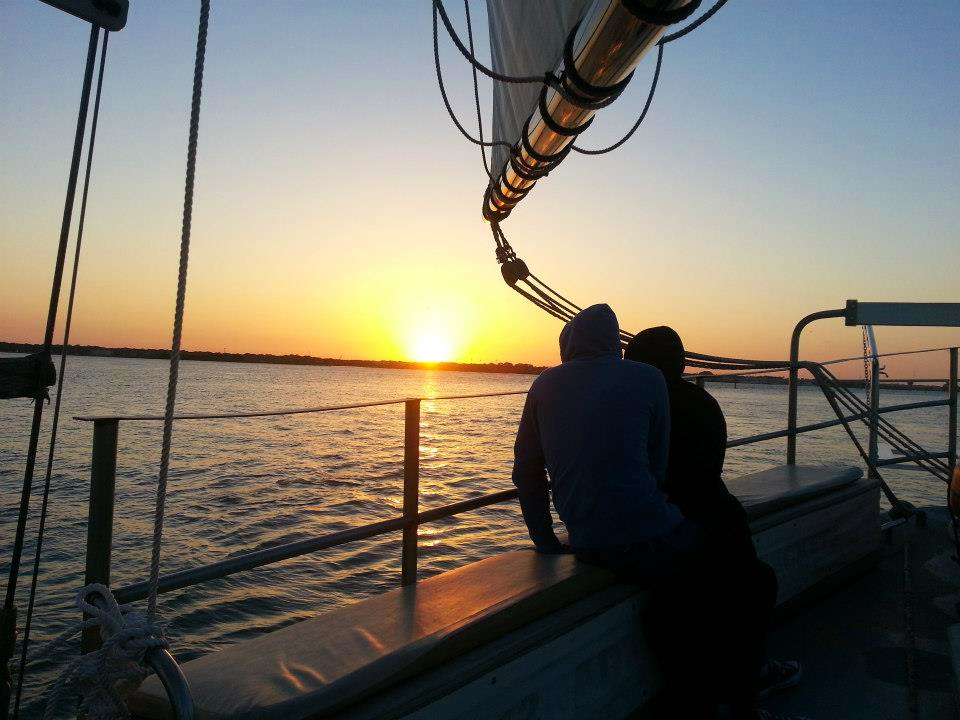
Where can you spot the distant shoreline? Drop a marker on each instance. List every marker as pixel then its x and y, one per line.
pixel 503 367
pixel 206 356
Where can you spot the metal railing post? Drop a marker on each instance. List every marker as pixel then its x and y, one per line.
pixel 411 490
pixel 873 449
pixel 794 379
pixel 952 422
pixel 103 476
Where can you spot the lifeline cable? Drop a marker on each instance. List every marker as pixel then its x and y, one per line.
pixel 63 362
pixel 8 622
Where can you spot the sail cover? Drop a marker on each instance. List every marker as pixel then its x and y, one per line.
pixel 526 38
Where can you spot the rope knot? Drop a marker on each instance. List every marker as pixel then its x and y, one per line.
pixel 104 677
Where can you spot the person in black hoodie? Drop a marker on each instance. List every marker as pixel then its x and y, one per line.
pixel 694 483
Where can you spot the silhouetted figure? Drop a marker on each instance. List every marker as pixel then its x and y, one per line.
pixel 742 590
pixel 698 445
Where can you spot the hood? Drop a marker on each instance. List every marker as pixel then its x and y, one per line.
pixel 660 347
pixel 592 333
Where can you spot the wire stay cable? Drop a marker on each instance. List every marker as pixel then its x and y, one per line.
pixel 68 322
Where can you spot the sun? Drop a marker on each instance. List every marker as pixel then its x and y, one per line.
pixel 431 346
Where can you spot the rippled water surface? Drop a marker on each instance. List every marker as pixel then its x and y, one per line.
pixel 240 485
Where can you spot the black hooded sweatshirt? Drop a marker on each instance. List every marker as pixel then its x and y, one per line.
pixel 698 444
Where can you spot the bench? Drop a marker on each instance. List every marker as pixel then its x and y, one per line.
pixel 517 634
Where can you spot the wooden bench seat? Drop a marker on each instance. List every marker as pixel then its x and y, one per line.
pixel 438 648
pixel 762 493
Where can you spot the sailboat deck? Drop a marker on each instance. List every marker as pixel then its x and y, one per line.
pixel 877 647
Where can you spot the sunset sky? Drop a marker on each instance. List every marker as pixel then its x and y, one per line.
pixel 796 155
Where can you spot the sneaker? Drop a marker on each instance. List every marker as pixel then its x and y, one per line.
pixel 767 715
pixel 778 675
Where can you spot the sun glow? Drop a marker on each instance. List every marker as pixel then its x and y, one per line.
pixel 431 345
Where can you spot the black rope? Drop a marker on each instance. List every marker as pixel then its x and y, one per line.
pixel 582 92
pixel 573 306
pixel 492 74
pixel 63 362
pixel 542 305
pixel 643 113
pixel 8 622
pixel 446 100
pixel 547 79
pixel 694 25
pixel 564 311
pixel 476 90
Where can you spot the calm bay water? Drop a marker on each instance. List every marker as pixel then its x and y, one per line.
pixel 240 485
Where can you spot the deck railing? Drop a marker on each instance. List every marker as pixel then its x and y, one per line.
pixel 103 484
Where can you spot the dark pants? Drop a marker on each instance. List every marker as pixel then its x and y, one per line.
pixel 708 616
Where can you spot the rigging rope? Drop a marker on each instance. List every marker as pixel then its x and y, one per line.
pixel 178 312
pixel 477 65
pixel 61 379
pixel 446 100
pixel 514 271
pixel 548 78
pixel 476 85
pixel 694 25
pixel 643 113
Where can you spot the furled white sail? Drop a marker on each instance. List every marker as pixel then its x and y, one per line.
pixel 526 38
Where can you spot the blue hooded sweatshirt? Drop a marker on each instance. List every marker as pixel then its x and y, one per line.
pixel 599 425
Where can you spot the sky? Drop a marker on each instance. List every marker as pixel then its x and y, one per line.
pixel 796 155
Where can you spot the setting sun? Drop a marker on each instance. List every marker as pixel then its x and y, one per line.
pixel 431 346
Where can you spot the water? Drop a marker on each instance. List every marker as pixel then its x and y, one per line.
pixel 240 485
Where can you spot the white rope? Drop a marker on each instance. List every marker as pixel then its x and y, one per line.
pixel 178 312
pixel 103 678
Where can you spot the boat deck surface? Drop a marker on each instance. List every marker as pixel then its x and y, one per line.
pixel 877 646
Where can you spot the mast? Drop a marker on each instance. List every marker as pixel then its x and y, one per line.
pixel 600 56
